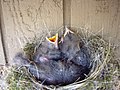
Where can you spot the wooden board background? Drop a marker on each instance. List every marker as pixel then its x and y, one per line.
pixel 2 58
pixel 97 15
pixel 25 19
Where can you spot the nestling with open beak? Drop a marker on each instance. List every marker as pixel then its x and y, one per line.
pixel 48 50
pixel 53 40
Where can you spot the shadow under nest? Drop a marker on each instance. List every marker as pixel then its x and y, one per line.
pixel 64 61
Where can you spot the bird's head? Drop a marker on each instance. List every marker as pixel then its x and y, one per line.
pixel 66 33
pixel 53 40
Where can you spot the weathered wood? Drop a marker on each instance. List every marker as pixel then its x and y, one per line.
pixel 2 58
pixel 67 13
pixel 25 19
pixel 97 15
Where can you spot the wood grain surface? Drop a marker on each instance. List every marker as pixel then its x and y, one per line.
pixel 2 58
pixel 97 16
pixel 25 19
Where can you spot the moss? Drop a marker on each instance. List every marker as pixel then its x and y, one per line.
pixel 29 50
pixel 19 80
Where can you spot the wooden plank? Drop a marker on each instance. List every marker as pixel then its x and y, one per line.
pixel 2 58
pixel 67 13
pixel 25 19
pixel 97 15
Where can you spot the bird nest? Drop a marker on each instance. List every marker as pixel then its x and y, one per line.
pixel 99 77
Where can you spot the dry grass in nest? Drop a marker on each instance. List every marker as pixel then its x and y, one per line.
pixel 101 76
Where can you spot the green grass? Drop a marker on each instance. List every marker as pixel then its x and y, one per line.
pixel 19 80
pixel 29 50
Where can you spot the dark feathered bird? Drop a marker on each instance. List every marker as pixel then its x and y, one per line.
pixel 48 50
pixel 70 44
pixel 20 60
pixel 82 57
pixel 73 49
pixel 58 72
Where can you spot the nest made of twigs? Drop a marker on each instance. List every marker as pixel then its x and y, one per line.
pixel 101 53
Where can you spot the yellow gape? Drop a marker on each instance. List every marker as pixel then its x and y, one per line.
pixel 53 40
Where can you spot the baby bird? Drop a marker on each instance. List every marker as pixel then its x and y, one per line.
pixel 48 50
pixel 82 57
pixel 69 44
pixel 20 60
pixel 58 72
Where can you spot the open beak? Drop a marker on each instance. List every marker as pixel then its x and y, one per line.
pixel 67 31
pixel 53 40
